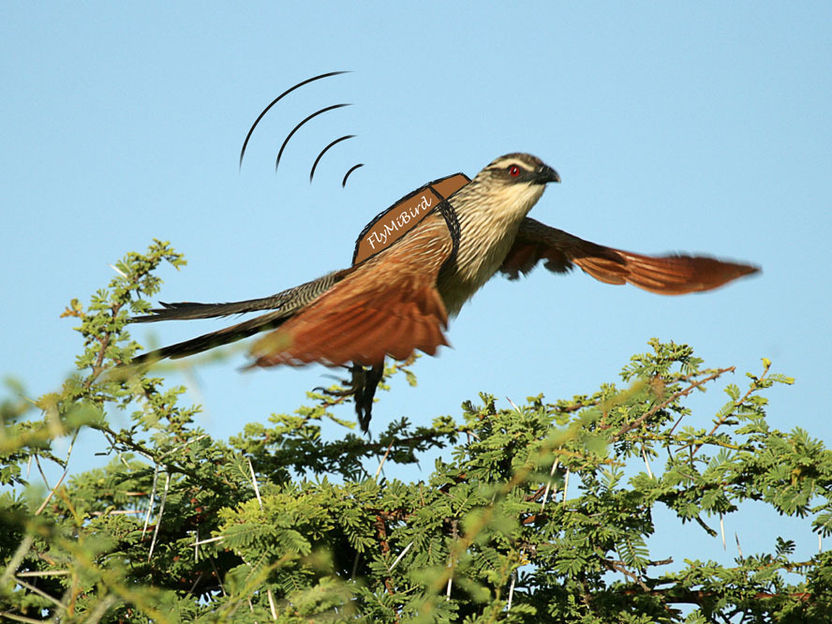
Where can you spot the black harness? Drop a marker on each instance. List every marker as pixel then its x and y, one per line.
pixel 389 226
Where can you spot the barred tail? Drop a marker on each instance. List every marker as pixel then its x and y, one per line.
pixel 290 299
pixel 284 305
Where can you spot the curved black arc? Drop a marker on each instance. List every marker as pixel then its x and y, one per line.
pixel 276 100
pixel 297 127
pixel 344 183
pixel 318 159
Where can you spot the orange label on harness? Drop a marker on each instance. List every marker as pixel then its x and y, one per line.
pixel 401 217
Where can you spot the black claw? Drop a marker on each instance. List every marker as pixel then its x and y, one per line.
pixel 362 387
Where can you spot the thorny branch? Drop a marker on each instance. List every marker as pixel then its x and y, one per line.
pixel 676 395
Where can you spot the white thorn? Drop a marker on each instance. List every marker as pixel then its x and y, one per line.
pixel 511 590
pixel 254 481
pixel 150 502
pixel 647 463
pixel 271 604
pixel 549 485
pixel 401 554
pixel 383 459
pixel 209 540
pixel 159 519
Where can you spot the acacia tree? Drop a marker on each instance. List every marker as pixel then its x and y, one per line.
pixel 539 512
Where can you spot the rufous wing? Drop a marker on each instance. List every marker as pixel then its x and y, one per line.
pixel 388 305
pixel 667 275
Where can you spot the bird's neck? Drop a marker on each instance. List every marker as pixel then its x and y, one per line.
pixel 488 226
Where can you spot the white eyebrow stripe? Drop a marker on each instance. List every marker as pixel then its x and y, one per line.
pixel 507 162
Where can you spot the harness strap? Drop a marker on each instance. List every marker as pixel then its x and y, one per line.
pixel 390 225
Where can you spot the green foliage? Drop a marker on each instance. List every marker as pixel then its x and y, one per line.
pixel 540 512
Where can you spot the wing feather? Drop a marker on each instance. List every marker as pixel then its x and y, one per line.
pixel 388 306
pixel 674 274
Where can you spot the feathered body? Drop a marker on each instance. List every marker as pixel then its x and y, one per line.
pixel 399 300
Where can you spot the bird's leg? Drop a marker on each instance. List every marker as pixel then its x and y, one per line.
pixel 365 381
pixel 362 387
pixel 348 390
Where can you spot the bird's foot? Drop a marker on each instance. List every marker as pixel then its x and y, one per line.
pixel 362 387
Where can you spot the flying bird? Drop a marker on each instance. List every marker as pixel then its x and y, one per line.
pixel 399 298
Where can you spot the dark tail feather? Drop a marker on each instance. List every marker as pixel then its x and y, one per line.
pixel 215 339
pixel 284 305
pixel 187 310
pixel 288 300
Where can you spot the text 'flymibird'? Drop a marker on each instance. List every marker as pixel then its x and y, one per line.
pixel 399 299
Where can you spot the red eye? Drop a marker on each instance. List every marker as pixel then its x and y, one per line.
pixel 514 171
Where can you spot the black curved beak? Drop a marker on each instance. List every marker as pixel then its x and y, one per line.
pixel 546 174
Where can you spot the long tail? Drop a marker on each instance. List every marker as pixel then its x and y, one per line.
pixel 284 305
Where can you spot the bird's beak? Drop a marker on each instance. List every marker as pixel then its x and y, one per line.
pixel 546 174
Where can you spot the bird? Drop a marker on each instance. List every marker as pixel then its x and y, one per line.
pixel 399 300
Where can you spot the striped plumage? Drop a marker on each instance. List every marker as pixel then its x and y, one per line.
pixel 283 306
pixel 490 210
pixel 395 302
pixel 399 300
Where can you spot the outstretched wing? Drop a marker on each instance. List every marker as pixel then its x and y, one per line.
pixel 388 305
pixel 667 275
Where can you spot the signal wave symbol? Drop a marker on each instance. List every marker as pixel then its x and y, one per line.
pixel 297 127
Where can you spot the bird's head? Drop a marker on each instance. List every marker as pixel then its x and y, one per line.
pixel 513 183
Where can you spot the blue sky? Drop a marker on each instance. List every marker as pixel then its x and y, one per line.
pixel 702 127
